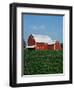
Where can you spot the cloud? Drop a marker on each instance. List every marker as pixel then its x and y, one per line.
pixel 42 27
pixel 34 27
pixel 38 27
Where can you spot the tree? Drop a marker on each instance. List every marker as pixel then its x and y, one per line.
pixel 24 44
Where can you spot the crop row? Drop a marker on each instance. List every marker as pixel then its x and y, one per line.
pixel 43 62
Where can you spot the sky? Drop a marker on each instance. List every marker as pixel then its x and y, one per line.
pixel 51 25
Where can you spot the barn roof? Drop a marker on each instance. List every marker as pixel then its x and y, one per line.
pixel 42 38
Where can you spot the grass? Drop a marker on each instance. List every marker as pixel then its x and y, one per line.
pixel 42 62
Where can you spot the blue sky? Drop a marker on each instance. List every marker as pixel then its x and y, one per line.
pixel 51 25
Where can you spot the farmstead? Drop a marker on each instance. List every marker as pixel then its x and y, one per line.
pixel 43 42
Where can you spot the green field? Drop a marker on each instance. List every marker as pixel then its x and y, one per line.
pixel 42 62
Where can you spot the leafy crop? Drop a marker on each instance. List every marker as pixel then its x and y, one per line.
pixel 42 62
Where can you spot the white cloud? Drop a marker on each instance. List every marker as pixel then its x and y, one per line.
pixel 42 27
pixel 34 27
pixel 38 27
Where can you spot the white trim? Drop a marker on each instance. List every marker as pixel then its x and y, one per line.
pixel 33 46
pixel 54 46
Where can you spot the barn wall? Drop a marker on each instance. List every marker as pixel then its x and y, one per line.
pixel 31 41
pixel 51 47
pixel 58 46
pixel 41 46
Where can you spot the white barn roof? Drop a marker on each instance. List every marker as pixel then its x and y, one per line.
pixel 42 38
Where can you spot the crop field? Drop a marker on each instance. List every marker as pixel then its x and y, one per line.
pixel 42 62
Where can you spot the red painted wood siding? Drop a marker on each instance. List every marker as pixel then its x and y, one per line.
pixel 51 47
pixel 31 41
pixel 58 46
pixel 41 46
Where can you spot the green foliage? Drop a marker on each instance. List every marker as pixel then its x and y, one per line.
pixel 43 62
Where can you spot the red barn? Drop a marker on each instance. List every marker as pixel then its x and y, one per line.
pixel 42 42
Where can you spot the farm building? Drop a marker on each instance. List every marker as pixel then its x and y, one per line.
pixel 42 42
